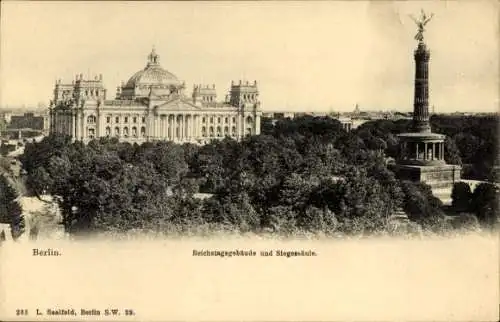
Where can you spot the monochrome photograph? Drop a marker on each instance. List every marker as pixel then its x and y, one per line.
pixel 265 127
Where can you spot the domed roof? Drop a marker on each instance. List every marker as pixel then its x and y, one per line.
pixel 152 74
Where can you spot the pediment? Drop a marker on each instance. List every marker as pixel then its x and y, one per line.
pixel 177 104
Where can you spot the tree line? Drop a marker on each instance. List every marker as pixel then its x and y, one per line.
pixel 306 175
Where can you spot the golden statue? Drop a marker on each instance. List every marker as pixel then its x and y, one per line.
pixel 424 19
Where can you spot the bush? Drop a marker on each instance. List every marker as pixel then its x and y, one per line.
pixel 465 222
pixel 437 224
pixel 317 220
pixel 461 196
pixel 484 204
pixel 419 202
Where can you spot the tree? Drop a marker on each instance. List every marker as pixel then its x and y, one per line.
pixel 317 220
pixel 10 210
pixel 239 213
pixel 422 207
pixel 465 222
pixel 281 220
pixel 266 126
pixel 451 152
pixel 295 192
pixel 485 204
pixel 360 202
pixel 468 145
pixel 40 181
pixel 461 196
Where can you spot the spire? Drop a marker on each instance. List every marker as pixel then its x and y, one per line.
pixel 356 109
pixel 153 58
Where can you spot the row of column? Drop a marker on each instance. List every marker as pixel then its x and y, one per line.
pixel 171 127
pixel 431 148
pixel 189 126
pixel 62 122
pixel 427 151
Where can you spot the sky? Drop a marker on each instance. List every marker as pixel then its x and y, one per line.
pixel 318 56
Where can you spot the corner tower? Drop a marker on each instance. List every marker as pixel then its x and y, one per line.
pixel 243 94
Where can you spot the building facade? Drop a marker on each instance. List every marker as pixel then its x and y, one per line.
pixel 151 106
pixel 28 121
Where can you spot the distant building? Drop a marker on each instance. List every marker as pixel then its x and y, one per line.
pixel 6 116
pixel 347 123
pixel 150 106
pixel 278 115
pixel 28 121
pixel 285 115
pixel 356 111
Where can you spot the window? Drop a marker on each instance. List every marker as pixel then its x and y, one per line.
pixel 96 92
pixel 117 131
pixel 203 119
pixel 91 119
pixel 211 131
pixel 91 133
pixel 108 131
pixel 125 132
pixel 126 119
pixel 218 120
pixel 134 119
pixel 234 119
pixel 249 120
pixel 226 130
pixel 226 120
pixel 212 119
pixel 143 131
pixel 143 119
pixel 219 131
pixel 134 132
pixel 117 119
pixel 108 119
pixel 233 130
pixel 204 131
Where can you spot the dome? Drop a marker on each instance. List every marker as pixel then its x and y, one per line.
pixel 152 75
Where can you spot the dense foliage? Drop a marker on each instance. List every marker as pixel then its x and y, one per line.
pixel 482 202
pixel 298 176
pixel 10 210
